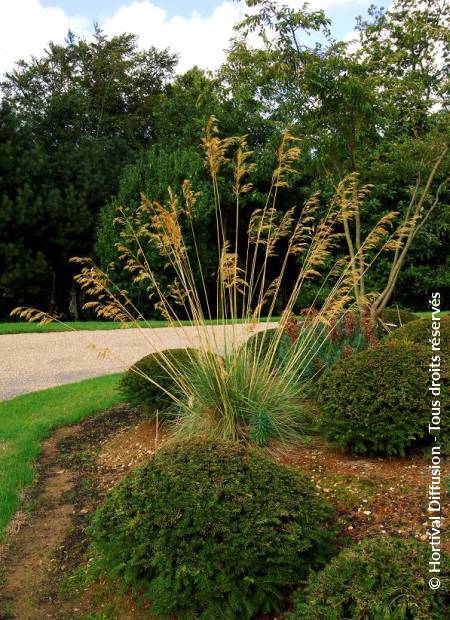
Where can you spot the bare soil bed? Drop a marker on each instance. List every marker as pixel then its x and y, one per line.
pixel 46 570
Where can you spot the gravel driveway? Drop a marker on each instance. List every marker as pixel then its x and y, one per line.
pixel 30 362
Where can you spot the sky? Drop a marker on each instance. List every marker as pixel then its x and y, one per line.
pixel 198 30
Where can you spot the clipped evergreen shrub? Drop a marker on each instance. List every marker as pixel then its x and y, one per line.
pixel 383 578
pixel 210 529
pixel 420 332
pixel 397 317
pixel 377 401
pixel 137 390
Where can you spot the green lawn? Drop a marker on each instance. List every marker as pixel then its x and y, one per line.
pixel 28 328
pixel 427 315
pixel 26 420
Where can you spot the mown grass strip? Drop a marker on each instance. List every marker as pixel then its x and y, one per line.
pixel 26 420
pixel 427 314
pixel 31 328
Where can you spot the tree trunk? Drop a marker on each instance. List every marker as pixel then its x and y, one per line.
pixel 74 304
pixel 52 299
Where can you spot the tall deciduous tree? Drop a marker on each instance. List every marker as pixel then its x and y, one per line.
pixel 357 108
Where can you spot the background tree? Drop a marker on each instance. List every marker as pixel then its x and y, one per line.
pixel 155 171
pixel 89 122
pixel 88 107
pixel 356 109
pixel 24 269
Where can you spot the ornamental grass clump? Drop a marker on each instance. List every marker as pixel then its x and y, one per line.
pixel 245 396
pixel 230 402
pixel 211 529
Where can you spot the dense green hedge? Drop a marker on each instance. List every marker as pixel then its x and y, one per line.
pixel 377 401
pixel 398 316
pixel 211 529
pixel 379 579
pixel 420 332
pixel 137 390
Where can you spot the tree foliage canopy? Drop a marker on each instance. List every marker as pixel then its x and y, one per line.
pixel 85 108
pixel 89 125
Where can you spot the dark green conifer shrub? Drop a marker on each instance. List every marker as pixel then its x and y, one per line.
pixel 377 401
pixel 137 390
pixel 383 578
pixel 210 529
pixel 420 332
pixel 398 316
